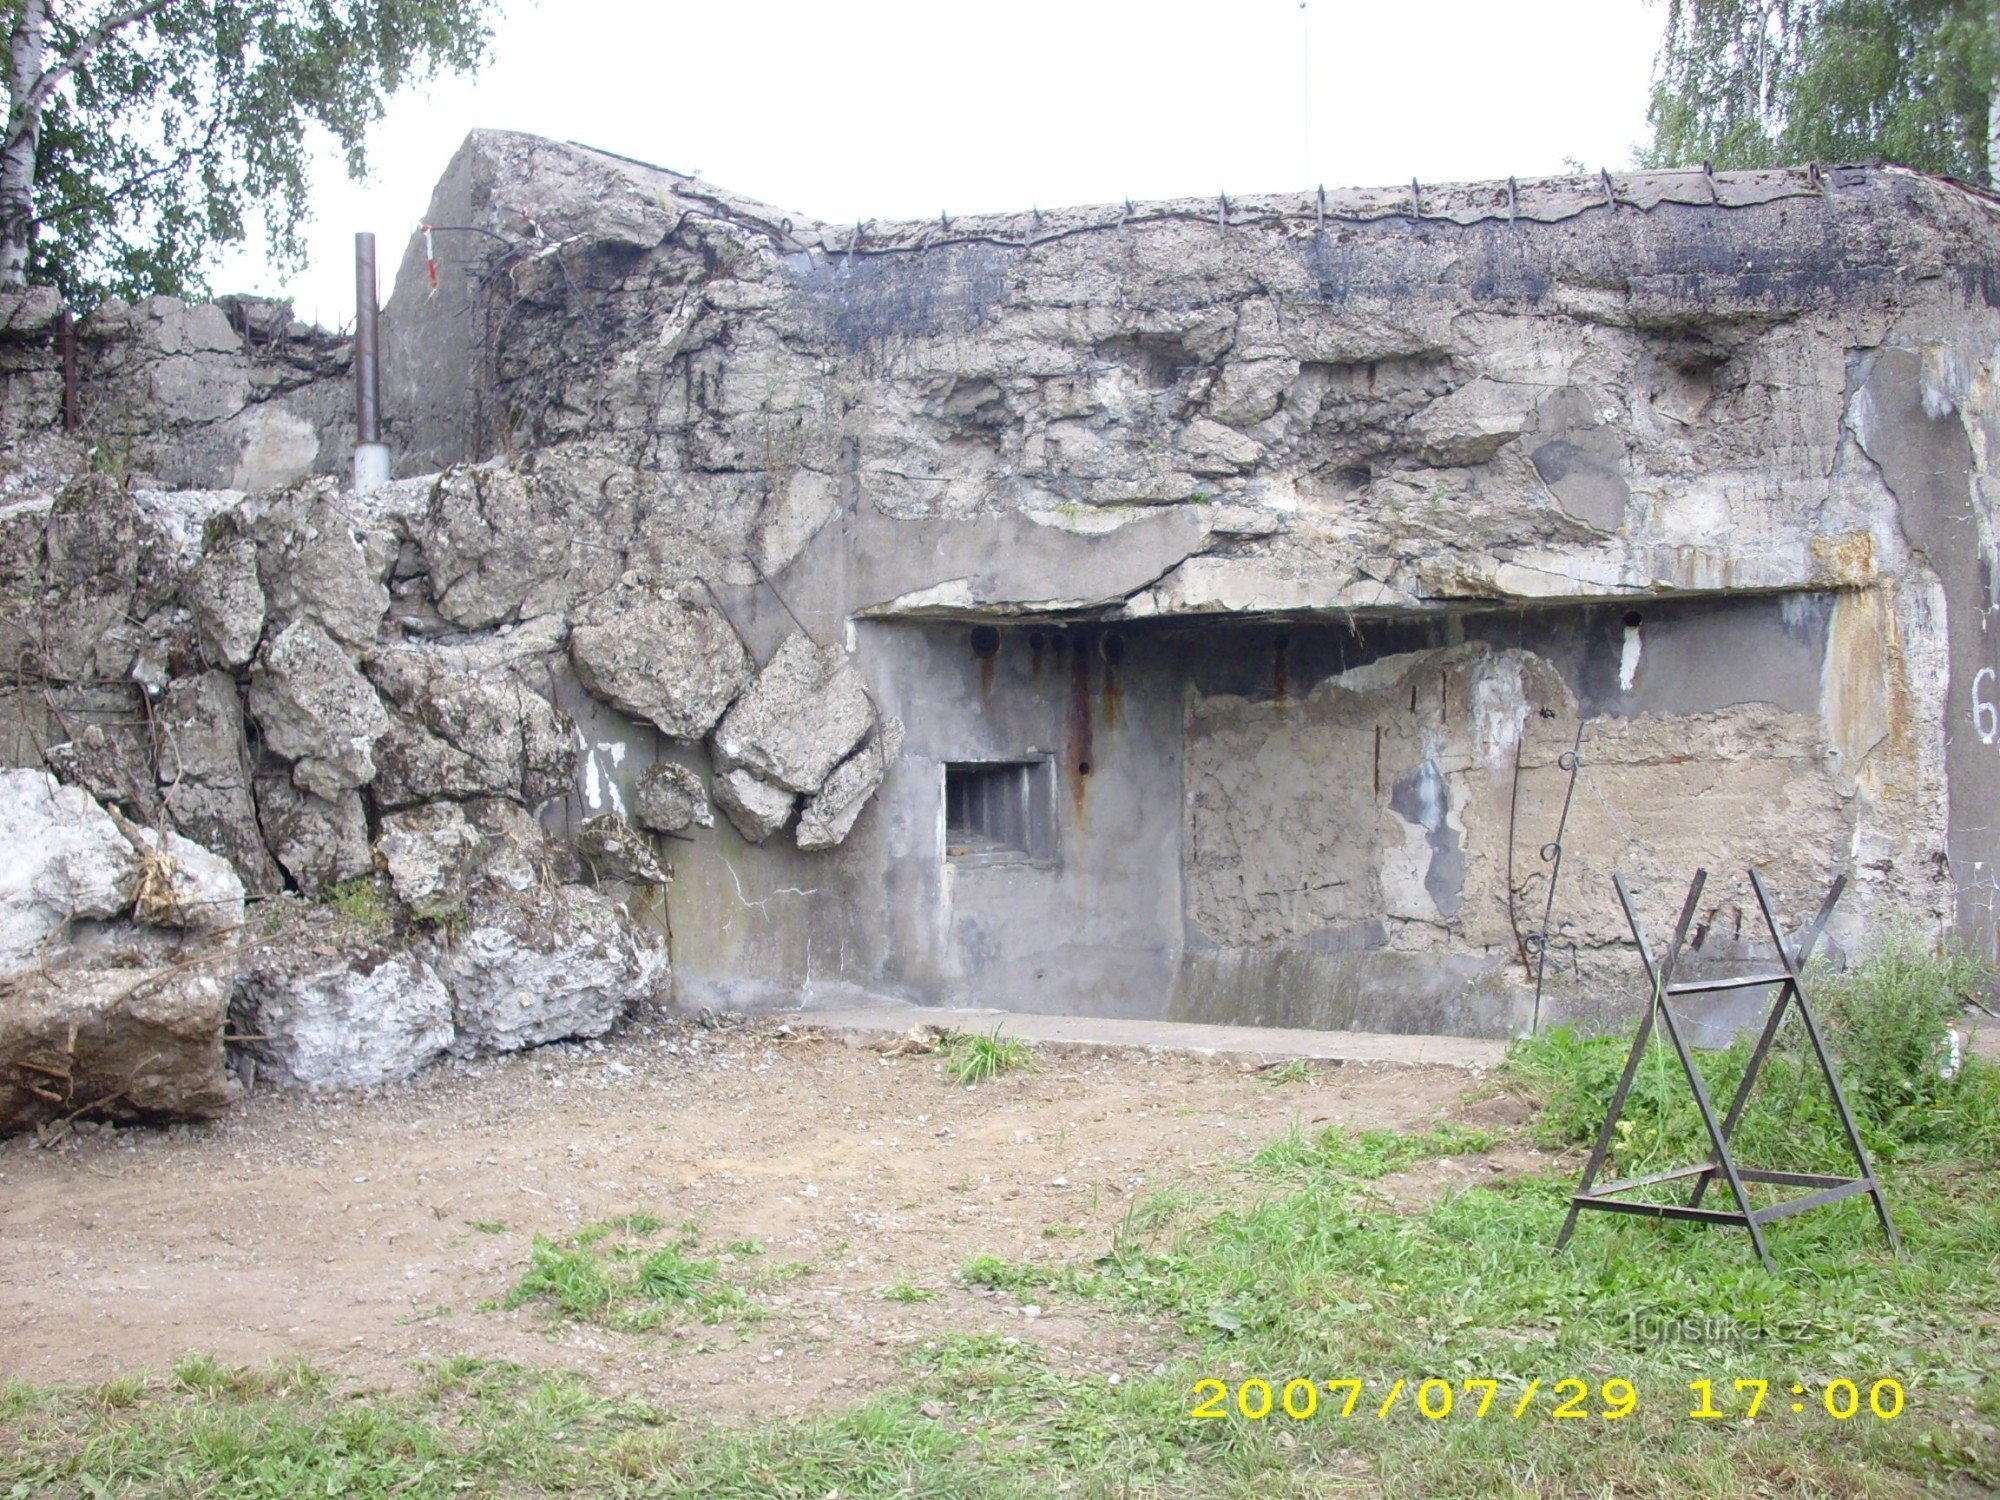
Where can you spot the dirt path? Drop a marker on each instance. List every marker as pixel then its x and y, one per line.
pixel 343 1229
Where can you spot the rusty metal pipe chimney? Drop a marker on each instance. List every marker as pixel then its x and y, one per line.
pixel 371 455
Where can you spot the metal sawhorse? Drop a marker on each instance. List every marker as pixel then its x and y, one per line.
pixel 1825 1189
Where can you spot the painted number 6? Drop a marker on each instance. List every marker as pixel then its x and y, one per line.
pixel 1985 717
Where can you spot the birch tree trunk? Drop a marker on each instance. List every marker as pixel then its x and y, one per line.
pixel 24 133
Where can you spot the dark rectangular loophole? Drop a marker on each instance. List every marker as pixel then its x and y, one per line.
pixel 996 807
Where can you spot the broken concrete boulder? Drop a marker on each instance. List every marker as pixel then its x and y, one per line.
pixel 312 564
pixel 537 966
pixel 227 602
pixel 340 1007
pixel 495 547
pixel 756 808
pixel 429 851
pixel 106 568
pixel 204 766
pixel 674 662
pixel 319 843
pixel 121 1044
pixel 465 733
pixel 615 850
pixel 316 710
pixel 62 858
pixel 803 716
pixel 670 797
pixel 829 813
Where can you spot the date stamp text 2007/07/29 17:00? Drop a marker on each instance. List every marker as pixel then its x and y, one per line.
pixel 1570 1399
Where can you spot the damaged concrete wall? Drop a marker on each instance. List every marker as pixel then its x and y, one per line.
pixel 230 395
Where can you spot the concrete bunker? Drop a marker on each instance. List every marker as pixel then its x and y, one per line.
pixel 1164 610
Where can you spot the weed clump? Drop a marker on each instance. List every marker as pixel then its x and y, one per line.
pixel 970 1057
pixel 606 1274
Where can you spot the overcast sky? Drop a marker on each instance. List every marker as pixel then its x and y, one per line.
pixel 886 109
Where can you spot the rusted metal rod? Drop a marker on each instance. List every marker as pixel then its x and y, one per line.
pixel 66 333
pixel 367 365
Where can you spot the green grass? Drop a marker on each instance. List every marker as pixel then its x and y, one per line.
pixel 1367 1153
pixel 605 1273
pixel 970 1057
pixel 359 900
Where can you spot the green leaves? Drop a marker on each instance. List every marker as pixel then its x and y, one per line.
pixel 1756 83
pixel 193 123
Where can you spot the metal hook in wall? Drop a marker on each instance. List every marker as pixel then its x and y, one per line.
pixel 1513 200
pixel 1610 193
pixel 1319 212
pixel 1416 200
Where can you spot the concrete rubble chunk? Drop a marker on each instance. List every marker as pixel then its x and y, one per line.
pixel 319 843
pixel 495 547
pixel 829 814
pixel 317 710
pixel 227 602
pixel 62 858
pixel 311 564
pixel 536 966
pixel 130 1045
pixel 185 518
pixel 204 767
pixel 803 716
pixel 757 808
pixel 107 567
pixel 615 850
pixel 340 1007
pixel 673 661
pixel 461 733
pixel 429 852
pixel 670 797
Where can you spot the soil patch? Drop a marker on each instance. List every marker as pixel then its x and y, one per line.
pixel 369 1232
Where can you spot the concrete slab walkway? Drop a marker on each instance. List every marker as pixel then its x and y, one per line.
pixel 1252 1043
